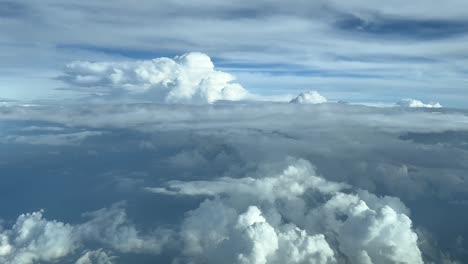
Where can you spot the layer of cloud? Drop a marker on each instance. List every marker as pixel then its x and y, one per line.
pixel 227 161
pixel 416 103
pixel 53 139
pixel 309 97
pixel 189 78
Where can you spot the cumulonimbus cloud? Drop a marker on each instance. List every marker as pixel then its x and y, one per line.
pixel 189 78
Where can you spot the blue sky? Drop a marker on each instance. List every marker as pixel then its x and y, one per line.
pixel 357 51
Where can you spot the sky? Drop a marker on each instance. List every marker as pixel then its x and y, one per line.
pixel 355 51
pixel 236 132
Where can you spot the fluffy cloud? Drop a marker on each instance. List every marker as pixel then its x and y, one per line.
pixel 33 239
pixel 297 217
pixel 95 257
pixel 416 103
pixel 310 97
pixel 189 78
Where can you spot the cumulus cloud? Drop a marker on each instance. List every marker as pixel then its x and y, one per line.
pixel 309 97
pixel 34 239
pixel 95 257
pixel 416 103
pixel 297 217
pixel 189 78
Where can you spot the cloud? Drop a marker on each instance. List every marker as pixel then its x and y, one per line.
pixel 208 165
pixel 53 139
pixel 112 228
pixel 33 239
pixel 355 50
pixel 189 78
pixel 416 103
pixel 269 221
pixel 95 257
pixel 310 97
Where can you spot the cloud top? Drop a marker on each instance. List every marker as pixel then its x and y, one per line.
pixel 309 97
pixel 412 103
pixel 189 78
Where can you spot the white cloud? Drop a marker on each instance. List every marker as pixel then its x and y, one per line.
pixel 309 97
pixel 269 221
pixel 33 239
pixel 189 78
pixel 111 227
pixel 416 103
pixel 53 139
pixel 95 257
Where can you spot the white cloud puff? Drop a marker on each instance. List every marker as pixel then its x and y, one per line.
pixel 189 78
pixel 416 103
pixel 95 257
pixel 33 239
pixel 294 217
pixel 309 97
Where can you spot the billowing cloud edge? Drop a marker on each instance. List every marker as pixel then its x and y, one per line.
pixel 189 78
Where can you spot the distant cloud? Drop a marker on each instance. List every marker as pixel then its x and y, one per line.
pixel 190 78
pixel 416 103
pixel 53 139
pixel 310 97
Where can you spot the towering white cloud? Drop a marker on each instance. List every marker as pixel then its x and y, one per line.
pixel 190 78
pixel 416 103
pixel 294 217
pixel 309 97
